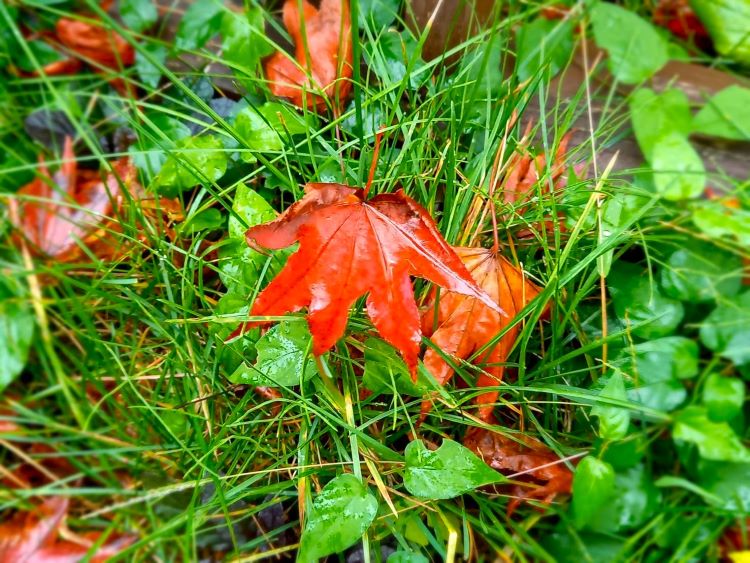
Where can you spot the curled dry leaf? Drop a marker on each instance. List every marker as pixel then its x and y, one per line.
pixel 349 247
pixel 543 473
pixel 57 211
pixel 94 42
pixel 463 325
pixel 322 57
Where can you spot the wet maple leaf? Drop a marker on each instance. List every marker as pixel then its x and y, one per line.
pixel 32 537
pixel 75 205
pixel 526 459
pixel 349 247
pixel 94 42
pixel 465 325
pixel 323 55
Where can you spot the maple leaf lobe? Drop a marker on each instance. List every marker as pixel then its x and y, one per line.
pixel 350 247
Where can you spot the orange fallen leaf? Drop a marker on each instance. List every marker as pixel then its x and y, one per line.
pixel 348 247
pixel 464 325
pixel 526 459
pixel 75 205
pixel 323 55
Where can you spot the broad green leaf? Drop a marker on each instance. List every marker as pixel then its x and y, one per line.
pixel 390 57
pixel 201 22
pixel 385 370
pixel 267 128
pixel 729 483
pixel 636 50
pixel 726 330
pixel 149 72
pixel 378 14
pixel 566 545
pixel 714 440
pixel 447 472
pixel 635 501
pixel 728 22
pixel 593 487
pixel 678 169
pixel 16 333
pixel 726 114
pixel 244 41
pixel 148 154
pixel 194 161
pixel 339 516
pixel 656 116
pixel 138 15
pixel 718 221
pixel 249 209
pixel 700 272
pixel 207 220
pixel 723 397
pixel 41 52
pixel 625 454
pixel 283 360
pixel 613 421
pixel 639 303
pixel 543 42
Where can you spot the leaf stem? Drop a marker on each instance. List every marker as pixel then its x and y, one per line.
pixel 373 166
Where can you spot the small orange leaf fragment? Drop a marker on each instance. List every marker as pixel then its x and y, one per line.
pixel 323 55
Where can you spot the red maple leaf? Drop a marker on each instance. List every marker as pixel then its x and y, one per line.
pixel 32 537
pixel 349 247
pixel 539 471
pixel 56 212
pixel 464 325
pixel 323 55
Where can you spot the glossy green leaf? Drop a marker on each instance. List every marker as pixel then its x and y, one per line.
pixel 138 15
pixel 728 22
pixel 207 220
pixel 201 21
pixel 639 303
pixel 700 272
pixel 729 483
pixel 714 440
pixel 613 421
pixel 636 50
pixel 339 516
pixel 723 397
pixel 41 55
pixel 392 55
pixel 679 172
pixel 267 128
pixel 244 41
pixel 656 116
pixel 148 71
pixel 385 370
pixel 635 501
pixel 726 115
pixel 593 487
pixel 378 14
pixel 194 161
pixel 718 221
pixel 726 330
pixel 16 332
pixel 248 209
pixel 284 358
pixel 447 472
pixel 148 153
pixel 541 43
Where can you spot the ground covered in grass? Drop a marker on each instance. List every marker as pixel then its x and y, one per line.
pixel 601 417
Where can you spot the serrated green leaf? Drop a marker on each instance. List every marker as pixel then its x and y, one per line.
pixel 726 330
pixel 267 128
pixel 447 472
pixel 201 22
pixel 385 370
pixel 244 41
pixel 194 161
pixel 701 272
